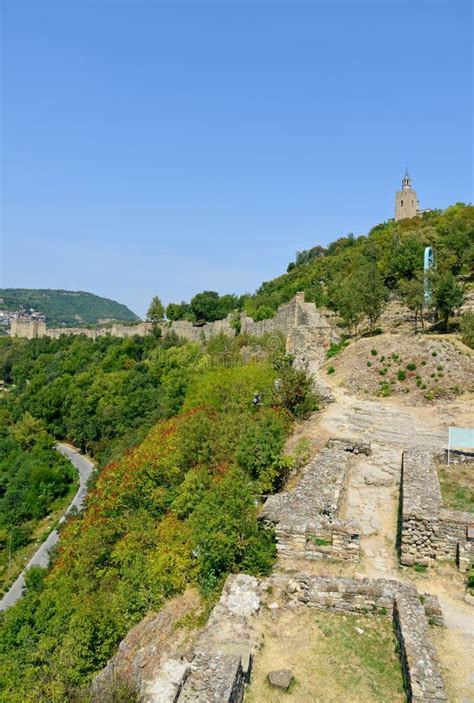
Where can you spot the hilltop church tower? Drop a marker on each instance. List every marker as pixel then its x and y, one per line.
pixel 406 201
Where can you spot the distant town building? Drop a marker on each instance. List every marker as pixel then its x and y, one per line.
pixel 406 200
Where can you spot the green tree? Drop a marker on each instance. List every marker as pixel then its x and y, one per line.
pixel 179 311
pixel 413 295
pixel 156 311
pixel 209 306
pixel 405 259
pixel 347 304
pixel 447 296
pixel 369 291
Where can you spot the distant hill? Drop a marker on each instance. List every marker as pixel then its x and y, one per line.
pixel 64 307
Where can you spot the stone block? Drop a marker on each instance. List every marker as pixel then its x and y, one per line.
pixel 280 678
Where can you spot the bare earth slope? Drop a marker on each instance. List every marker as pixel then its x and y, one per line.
pixel 418 368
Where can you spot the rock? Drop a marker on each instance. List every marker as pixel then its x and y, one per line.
pixel 359 630
pixel 281 678
pixel 292 586
pixel 273 606
pixel 468 598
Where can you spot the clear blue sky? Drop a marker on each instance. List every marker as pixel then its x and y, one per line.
pixel 165 148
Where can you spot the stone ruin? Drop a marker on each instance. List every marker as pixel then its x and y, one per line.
pixel 307 519
pixel 428 530
pixel 219 665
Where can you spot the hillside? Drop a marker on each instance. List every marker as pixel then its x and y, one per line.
pixel 177 510
pixel 64 307
pixel 393 250
pixel 389 256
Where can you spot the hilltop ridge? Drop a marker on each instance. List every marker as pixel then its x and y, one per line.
pixel 65 307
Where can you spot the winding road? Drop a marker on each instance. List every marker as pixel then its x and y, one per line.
pixel 41 556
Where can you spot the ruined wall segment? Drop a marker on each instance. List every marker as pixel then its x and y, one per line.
pixel 411 614
pixel 429 531
pixel 308 331
pixel 306 519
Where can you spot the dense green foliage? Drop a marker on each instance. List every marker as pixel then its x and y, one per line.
pixel 206 306
pixel 447 296
pixel 179 509
pixel 64 307
pixel 32 476
pixel 95 393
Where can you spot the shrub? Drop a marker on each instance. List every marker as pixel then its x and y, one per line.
pixel 394 356
pixel 374 352
pixel 384 390
pixel 369 363
pixel 434 353
pixel 420 568
pixel 295 392
pixel 411 366
pixel 301 453
pixel 470 579
pixel 439 367
pixel 401 375
pixel 331 369
pixel 382 358
pixel 336 347
pixel 467 329
pixel 259 451
pixel 382 372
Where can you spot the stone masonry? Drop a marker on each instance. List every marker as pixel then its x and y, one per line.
pixel 429 531
pixel 411 613
pixel 306 518
pixel 220 663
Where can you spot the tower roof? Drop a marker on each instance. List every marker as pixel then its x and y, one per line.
pixel 406 180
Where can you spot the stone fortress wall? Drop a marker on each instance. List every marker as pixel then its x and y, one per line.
pixel 428 530
pixel 307 330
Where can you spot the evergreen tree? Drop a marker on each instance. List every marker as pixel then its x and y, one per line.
pixel 156 311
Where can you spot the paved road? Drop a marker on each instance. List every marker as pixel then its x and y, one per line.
pixel 41 556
